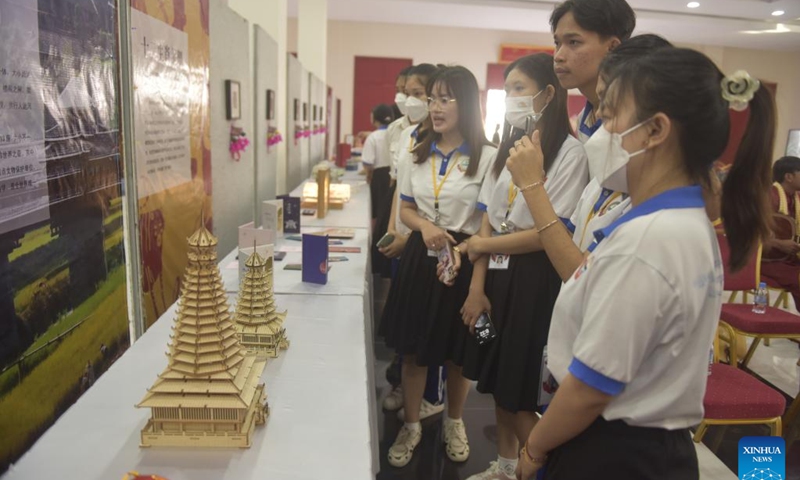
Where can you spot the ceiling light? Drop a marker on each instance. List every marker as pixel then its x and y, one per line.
pixel 779 28
pixel 693 4
pixel 778 13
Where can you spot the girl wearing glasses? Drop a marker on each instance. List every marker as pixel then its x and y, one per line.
pixel 403 159
pixel 513 278
pixel 439 204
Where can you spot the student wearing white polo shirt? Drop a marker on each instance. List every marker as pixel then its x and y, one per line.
pixel 585 31
pixel 417 112
pixel 416 108
pixel 599 206
pixel 375 157
pixel 652 287
pixel 513 279
pixel 440 196
pixel 399 106
pixel 380 265
pixel 403 158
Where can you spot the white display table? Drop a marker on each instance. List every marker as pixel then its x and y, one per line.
pixel 342 278
pixel 318 392
pixel 352 216
pixel 321 391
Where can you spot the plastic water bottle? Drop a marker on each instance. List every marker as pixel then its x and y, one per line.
pixel 761 299
pixel 710 359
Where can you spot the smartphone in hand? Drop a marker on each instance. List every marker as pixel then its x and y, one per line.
pixel 386 240
pixel 484 329
pixel 447 260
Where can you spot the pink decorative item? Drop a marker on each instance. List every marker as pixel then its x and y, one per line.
pixel 273 137
pixel 239 143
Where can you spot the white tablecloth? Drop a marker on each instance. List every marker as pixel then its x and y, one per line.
pixel 318 391
pixel 321 391
pixel 344 278
pixel 352 216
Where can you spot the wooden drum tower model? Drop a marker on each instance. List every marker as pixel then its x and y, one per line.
pixel 258 323
pixel 209 395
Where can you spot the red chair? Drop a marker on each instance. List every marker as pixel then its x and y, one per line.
pixel 775 323
pixel 733 397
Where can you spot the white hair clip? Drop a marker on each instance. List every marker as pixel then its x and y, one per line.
pixel 738 89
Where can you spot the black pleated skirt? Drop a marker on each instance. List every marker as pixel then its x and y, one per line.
pixel 522 299
pixel 381 179
pixel 622 452
pixel 380 264
pixel 422 315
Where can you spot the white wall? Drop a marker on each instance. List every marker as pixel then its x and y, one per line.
pixel 474 48
pixel 270 16
pixel 265 78
pixel 471 48
pixel 232 181
pixel 312 36
pixel 780 68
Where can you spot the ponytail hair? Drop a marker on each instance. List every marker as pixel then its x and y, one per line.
pixel 686 86
pixel 746 211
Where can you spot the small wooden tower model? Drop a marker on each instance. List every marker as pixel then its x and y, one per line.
pixel 258 323
pixel 209 395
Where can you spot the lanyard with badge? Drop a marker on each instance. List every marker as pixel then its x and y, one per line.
pixel 512 195
pixel 437 187
pixel 604 203
pixel 499 261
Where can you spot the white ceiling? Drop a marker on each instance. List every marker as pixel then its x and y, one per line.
pixel 715 22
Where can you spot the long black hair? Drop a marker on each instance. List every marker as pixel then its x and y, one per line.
pixel 460 84
pixel 686 86
pixel 555 125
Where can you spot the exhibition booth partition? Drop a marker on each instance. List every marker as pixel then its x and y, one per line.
pixel 148 323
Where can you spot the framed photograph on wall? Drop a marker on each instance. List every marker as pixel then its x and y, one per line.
pixel 305 112
pixel 793 144
pixel 233 100
pixel 315 113
pixel 296 110
pixel 270 105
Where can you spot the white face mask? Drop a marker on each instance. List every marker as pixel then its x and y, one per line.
pixel 608 161
pixel 518 109
pixel 416 109
pixel 400 101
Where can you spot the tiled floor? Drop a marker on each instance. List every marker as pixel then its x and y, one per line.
pixel 718 455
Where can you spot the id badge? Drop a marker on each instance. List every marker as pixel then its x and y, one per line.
pixel 547 383
pixel 499 261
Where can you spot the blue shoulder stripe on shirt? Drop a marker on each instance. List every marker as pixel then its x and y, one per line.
pixel 595 379
pixel 482 207
pixel 407 198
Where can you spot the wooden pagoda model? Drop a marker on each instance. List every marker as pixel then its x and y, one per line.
pixel 258 323
pixel 209 395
